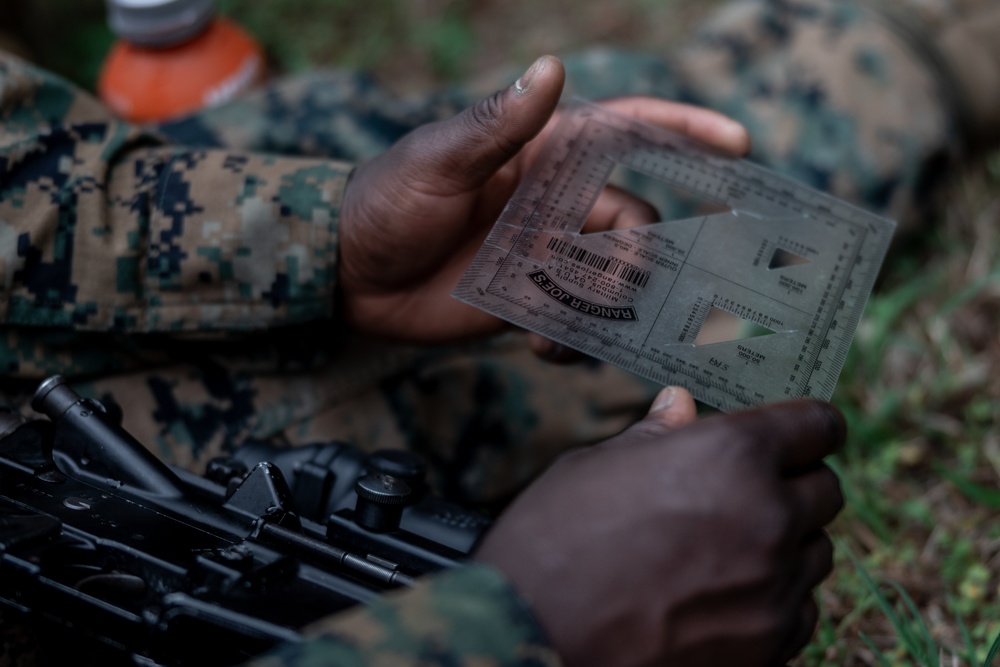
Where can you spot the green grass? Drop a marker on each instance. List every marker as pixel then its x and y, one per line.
pixel 920 469
pixel 914 641
pixel 298 34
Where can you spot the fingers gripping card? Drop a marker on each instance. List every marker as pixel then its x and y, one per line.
pixel 753 297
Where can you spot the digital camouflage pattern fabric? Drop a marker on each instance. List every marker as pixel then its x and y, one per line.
pixel 187 272
pixel 400 631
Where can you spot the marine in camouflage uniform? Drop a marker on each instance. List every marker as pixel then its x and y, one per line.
pixel 187 272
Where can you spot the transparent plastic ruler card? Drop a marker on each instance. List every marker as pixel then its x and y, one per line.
pixel 752 296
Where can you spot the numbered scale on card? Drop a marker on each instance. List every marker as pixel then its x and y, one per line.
pixel 752 296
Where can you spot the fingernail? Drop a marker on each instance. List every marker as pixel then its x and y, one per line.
pixel 735 131
pixel 664 399
pixel 522 84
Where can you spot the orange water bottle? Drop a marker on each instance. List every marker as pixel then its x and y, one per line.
pixel 173 57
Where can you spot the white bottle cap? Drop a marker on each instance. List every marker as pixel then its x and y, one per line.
pixel 158 22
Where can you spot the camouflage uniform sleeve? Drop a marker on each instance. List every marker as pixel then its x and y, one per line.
pixel 105 228
pixel 468 617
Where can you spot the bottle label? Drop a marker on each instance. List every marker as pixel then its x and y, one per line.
pixel 238 82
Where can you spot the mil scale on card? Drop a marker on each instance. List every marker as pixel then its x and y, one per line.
pixel 754 302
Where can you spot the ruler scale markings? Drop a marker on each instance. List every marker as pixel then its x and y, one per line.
pixel 637 298
pixel 841 289
pixel 813 351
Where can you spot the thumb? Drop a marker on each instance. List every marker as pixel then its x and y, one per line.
pixel 481 139
pixel 673 407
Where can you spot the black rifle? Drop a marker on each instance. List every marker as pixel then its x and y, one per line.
pixel 111 556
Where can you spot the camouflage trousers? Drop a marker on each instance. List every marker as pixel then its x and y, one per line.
pixel 833 93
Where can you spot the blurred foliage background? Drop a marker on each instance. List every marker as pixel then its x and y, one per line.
pixel 407 43
pixel 918 564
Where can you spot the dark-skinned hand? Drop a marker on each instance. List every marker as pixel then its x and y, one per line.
pixel 697 545
pixel 413 217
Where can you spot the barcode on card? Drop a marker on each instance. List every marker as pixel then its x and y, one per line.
pixel 611 266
